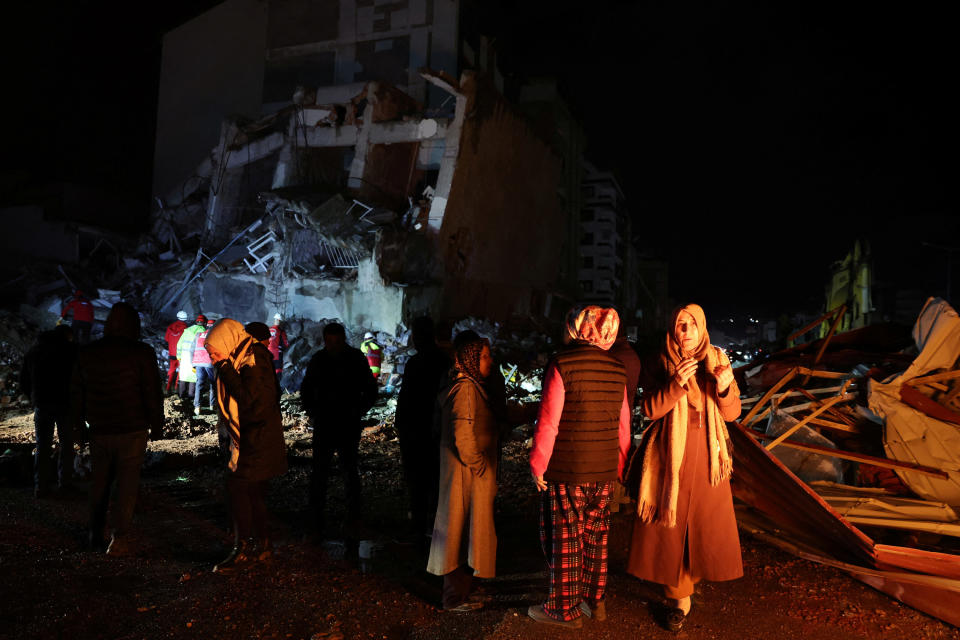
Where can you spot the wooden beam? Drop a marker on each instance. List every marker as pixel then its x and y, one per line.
pixel 836 426
pixel 819 373
pixel 769 394
pixel 833 328
pixel 937 377
pixel 832 410
pixel 856 457
pixel 816 412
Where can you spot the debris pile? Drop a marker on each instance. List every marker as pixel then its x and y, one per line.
pixel 865 454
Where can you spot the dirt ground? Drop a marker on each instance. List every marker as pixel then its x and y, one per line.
pixel 315 586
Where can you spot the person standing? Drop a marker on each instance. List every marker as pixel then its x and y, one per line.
pixel 116 389
pixel 45 379
pixel 336 392
pixel 580 448
pixel 278 343
pixel 423 376
pixel 464 541
pixel 186 387
pixel 204 368
pixel 685 530
pixel 172 336
pixel 373 352
pixel 82 310
pixel 249 399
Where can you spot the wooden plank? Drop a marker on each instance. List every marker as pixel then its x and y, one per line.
pixel 820 373
pixel 816 412
pixel 856 457
pixel 836 426
pixel 832 410
pixel 809 326
pixel 937 377
pixel 833 329
pixel 792 393
pixel 769 394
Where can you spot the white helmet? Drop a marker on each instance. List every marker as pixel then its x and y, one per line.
pixel 182 315
pixel 367 335
pixel 277 317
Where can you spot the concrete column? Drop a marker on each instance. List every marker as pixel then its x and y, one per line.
pixel 222 206
pixel 286 171
pixel 448 164
pixel 359 164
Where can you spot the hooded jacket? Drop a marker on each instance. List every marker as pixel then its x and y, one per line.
pixel 116 385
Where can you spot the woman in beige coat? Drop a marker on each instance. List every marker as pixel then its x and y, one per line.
pixel 686 529
pixel 464 541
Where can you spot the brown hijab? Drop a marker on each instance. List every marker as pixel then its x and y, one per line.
pixel 674 352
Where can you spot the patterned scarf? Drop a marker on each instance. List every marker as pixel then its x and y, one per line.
pixel 665 441
pixel 228 341
pixel 469 346
pixel 592 324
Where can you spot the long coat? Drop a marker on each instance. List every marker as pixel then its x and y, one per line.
pixel 263 453
pixel 463 531
pixel 706 525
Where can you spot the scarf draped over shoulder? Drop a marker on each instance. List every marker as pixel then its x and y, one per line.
pixel 666 442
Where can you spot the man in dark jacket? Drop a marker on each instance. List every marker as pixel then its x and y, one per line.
pixel 336 392
pixel 45 379
pixel 419 449
pixel 116 389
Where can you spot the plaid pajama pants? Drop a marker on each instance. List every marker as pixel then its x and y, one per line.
pixel 574 526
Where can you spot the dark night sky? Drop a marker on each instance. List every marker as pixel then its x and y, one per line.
pixel 754 143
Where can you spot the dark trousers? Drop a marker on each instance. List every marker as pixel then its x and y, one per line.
pixel 248 507
pixel 172 366
pixel 115 459
pixel 81 331
pixel 457 586
pixel 44 420
pixel 186 390
pixel 421 470
pixel 347 450
pixel 205 375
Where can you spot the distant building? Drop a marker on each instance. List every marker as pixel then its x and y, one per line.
pixel 604 237
pixel 851 284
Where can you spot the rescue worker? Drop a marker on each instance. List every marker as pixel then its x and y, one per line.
pixel 172 336
pixel 82 310
pixel 204 370
pixel 278 343
pixel 187 385
pixel 45 379
pixel 374 353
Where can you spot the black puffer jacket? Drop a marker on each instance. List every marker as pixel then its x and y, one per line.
pixel 47 368
pixel 263 453
pixel 116 385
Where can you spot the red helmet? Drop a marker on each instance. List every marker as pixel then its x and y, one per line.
pixel 211 322
pixel 201 319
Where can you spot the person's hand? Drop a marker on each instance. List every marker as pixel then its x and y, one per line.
pixel 686 369
pixel 724 376
pixel 540 482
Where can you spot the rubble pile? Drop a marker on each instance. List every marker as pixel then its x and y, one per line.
pixel 873 453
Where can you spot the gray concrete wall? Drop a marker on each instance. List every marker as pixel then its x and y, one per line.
pixel 211 67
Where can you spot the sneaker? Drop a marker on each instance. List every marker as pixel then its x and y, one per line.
pixel 463 607
pixel 598 613
pixel 119 547
pixel 673 619
pixel 196 411
pixel 537 613
pixel 240 557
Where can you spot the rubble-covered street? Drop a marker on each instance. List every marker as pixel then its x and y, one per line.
pixel 311 589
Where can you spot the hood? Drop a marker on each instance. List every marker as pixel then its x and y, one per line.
pixel 123 322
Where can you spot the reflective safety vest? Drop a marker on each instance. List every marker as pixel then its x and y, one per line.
pixel 374 354
pixel 200 356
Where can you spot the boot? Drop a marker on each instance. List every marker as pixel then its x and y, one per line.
pixel 264 549
pixel 240 557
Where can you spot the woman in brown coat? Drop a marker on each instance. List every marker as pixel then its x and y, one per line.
pixel 685 529
pixel 464 541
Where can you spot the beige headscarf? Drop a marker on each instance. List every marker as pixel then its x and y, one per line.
pixel 666 441
pixel 593 324
pixel 227 340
